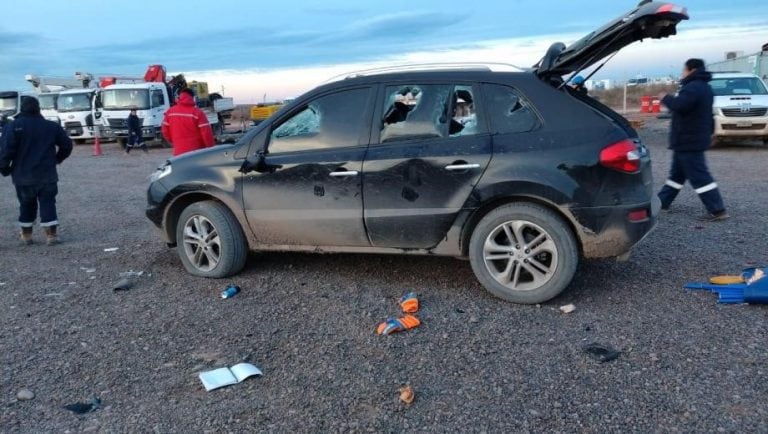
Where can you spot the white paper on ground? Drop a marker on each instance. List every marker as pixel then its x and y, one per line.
pixel 227 376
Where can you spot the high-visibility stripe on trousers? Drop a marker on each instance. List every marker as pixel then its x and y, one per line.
pixel 692 167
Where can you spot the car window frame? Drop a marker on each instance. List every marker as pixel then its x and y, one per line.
pixel 477 94
pixel 363 139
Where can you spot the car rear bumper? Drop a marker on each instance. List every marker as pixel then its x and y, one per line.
pixel 741 127
pixel 607 232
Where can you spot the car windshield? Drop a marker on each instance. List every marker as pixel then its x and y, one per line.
pixel 48 102
pixel 124 99
pixel 738 86
pixel 75 102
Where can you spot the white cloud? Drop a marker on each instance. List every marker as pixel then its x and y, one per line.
pixel 653 56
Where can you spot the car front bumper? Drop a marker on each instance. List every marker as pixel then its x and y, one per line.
pixel 741 127
pixel 607 232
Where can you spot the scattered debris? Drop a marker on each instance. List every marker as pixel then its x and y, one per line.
pixel 88 270
pixel 394 325
pixel 131 273
pixel 407 395
pixel 601 353
pixel 3 283
pixel 54 294
pixel 112 249
pixel 753 288
pixel 409 303
pixel 231 291
pixel 474 320
pixel 83 408
pixel 227 376
pixel 25 395
pixel 568 308
pixel 123 285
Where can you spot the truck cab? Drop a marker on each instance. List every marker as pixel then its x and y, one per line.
pixel 79 112
pixel 150 100
pixel 49 106
pixel 741 107
pixel 10 104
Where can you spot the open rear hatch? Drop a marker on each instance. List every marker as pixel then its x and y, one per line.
pixel 650 19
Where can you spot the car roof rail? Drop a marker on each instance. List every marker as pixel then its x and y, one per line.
pixel 430 67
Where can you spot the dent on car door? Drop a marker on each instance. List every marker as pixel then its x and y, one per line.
pixel 307 190
pixel 432 149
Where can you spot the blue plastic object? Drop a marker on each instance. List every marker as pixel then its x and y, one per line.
pixel 230 292
pixel 755 292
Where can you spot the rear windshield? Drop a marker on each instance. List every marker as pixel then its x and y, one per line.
pixel 738 86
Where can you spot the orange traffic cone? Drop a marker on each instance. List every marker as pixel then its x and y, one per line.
pixel 96 147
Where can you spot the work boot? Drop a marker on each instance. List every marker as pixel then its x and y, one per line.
pixel 51 237
pixel 26 236
pixel 716 217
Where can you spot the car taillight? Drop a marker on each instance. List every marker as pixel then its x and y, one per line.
pixel 670 8
pixel 638 216
pixel 622 156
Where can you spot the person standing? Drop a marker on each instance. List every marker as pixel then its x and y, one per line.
pixel 186 127
pixel 30 150
pixel 691 135
pixel 135 138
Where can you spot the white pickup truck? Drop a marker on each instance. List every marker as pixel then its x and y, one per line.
pixel 741 107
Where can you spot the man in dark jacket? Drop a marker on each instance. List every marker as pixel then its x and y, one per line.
pixel 31 148
pixel 134 133
pixel 692 128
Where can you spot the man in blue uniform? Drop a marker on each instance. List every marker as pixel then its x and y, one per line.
pixel 30 149
pixel 691 135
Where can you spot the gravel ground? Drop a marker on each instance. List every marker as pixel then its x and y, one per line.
pixel 476 363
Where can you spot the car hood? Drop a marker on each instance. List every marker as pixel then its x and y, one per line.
pixel 741 100
pixel 649 19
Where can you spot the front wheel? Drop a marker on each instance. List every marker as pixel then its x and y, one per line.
pixel 210 241
pixel 523 253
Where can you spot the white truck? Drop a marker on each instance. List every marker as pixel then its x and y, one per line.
pixel 151 100
pixel 741 107
pixel 79 113
pixel 48 89
pixel 10 104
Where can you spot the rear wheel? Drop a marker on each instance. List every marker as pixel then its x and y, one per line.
pixel 210 241
pixel 523 253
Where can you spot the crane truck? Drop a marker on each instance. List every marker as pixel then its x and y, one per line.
pixel 152 97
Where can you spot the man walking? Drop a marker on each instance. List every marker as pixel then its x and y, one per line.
pixel 31 148
pixel 692 128
pixel 186 127
pixel 134 133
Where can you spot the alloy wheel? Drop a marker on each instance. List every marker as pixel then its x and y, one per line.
pixel 202 244
pixel 520 255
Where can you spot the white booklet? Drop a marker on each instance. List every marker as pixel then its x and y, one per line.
pixel 228 376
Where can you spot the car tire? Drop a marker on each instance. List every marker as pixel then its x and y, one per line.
pixel 203 253
pixel 533 270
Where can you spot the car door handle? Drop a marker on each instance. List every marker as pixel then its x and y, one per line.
pixel 344 173
pixel 460 167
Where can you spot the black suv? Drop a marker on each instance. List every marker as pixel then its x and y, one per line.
pixel 514 170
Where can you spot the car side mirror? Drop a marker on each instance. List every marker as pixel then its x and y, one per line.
pixel 259 165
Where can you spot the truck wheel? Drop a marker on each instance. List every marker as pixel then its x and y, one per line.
pixel 210 241
pixel 165 144
pixel 523 253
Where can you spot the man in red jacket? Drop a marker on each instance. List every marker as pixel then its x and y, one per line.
pixel 186 127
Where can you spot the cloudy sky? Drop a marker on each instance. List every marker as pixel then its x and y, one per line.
pixel 283 48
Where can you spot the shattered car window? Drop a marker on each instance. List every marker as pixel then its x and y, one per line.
pixel 415 112
pixel 464 120
pixel 331 121
pixel 509 111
